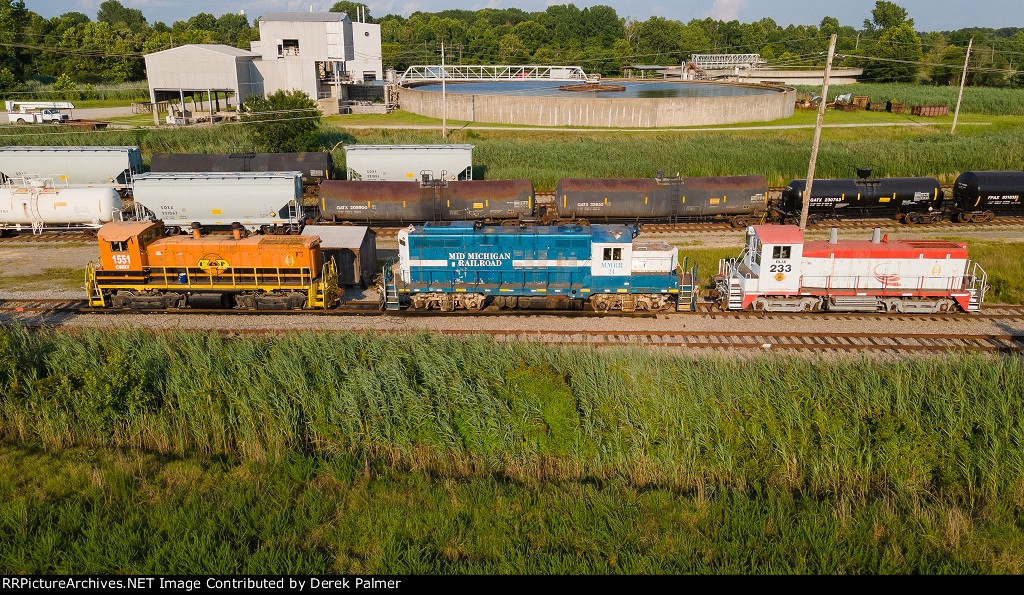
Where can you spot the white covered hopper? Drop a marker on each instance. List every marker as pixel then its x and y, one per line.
pixel 254 199
pixel 73 166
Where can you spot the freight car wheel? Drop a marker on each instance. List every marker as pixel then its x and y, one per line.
pixel 989 215
pixel 791 221
pixel 914 218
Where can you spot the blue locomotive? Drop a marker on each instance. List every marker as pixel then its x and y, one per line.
pixel 462 265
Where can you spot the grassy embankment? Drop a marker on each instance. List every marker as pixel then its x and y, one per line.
pixel 779 155
pixel 356 453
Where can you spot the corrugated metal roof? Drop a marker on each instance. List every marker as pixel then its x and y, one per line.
pixel 304 17
pixel 334 237
pixel 217 48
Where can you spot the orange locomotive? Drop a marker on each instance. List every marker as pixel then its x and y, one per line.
pixel 140 268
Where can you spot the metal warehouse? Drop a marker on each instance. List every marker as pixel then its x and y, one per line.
pixel 396 163
pixel 213 72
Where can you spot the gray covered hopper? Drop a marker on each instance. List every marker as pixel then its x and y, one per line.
pixel 73 166
pixel 253 199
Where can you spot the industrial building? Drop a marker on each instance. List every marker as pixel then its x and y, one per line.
pixel 323 54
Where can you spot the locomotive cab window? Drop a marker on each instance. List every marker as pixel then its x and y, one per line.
pixel 119 246
pixel 613 253
pixel 781 252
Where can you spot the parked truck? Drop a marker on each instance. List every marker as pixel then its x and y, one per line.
pixel 37 112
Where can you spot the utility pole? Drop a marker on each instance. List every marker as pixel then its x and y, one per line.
pixel 444 99
pixel 817 133
pixel 963 79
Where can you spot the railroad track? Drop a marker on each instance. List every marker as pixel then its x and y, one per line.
pixel 372 308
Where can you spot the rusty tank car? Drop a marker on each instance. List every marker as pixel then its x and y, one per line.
pixel 740 200
pixel 415 202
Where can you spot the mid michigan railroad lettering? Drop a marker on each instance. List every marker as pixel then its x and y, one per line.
pixel 478 259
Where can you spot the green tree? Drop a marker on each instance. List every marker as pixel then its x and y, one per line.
pixel 9 84
pixel 898 54
pixel 351 9
pixel 886 15
pixel 65 88
pixel 13 20
pixel 283 122
pixel 113 12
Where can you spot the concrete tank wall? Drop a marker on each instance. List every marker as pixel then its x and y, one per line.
pixel 575 109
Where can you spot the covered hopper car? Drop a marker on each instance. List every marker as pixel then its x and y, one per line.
pixel 416 202
pixel 141 268
pixel 981 195
pixel 267 201
pixel 911 200
pixel 314 167
pixel 73 167
pixel 738 199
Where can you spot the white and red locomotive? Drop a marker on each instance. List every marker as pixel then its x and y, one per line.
pixel 780 272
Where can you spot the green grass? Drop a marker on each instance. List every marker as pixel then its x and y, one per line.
pixel 106 511
pixel 48 278
pixel 134 452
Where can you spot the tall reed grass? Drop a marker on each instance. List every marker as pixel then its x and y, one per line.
pixel 947 428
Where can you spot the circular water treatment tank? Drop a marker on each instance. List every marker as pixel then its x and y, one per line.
pixel 637 104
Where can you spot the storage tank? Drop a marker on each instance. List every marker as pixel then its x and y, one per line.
pixel 73 166
pixel 714 197
pixel 854 197
pixel 998 192
pixel 256 200
pixel 315 167
pixel 38 206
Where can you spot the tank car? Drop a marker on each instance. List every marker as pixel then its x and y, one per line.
pixel 35 204
pixel 780 271
pixel 981 195
pixel 738 199
pixel 315 167
pixel 73 166
pixel 911 200
pixel 462 265
pixel 267 201
pixel 141 268
pixel 406 202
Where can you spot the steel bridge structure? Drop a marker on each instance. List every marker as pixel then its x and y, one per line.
pixel 458 73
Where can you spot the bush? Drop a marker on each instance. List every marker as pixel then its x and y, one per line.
pixel 283 122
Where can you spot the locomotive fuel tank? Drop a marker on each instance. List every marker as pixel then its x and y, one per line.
pixel 405 202
pixel 996 192
pixel 855 197
pixel 40 206
pixel 714 197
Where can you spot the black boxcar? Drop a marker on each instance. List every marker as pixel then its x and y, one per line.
pixel 315 167
pixel 981 195
pixel 913 200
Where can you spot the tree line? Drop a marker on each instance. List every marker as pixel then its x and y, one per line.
pixel 110 48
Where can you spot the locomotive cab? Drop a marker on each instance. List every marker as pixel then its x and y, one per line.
pixel 123 244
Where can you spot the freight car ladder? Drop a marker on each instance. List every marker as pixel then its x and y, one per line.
pixel 391 301
pixel 689 287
